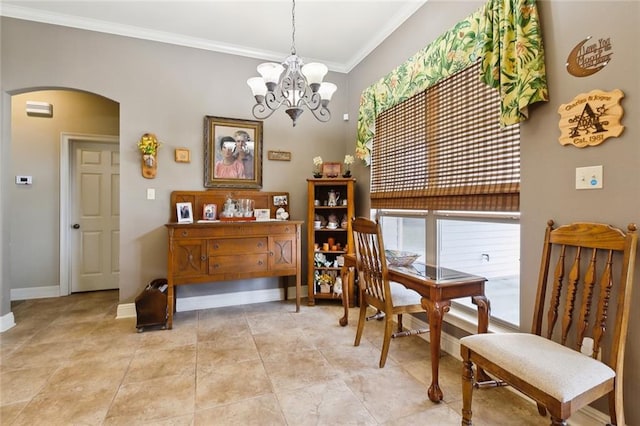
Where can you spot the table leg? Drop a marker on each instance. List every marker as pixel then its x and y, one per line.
pixel 298 291
pixel 170 305
pixel 435 313
pixel 484 311
pixel 346 273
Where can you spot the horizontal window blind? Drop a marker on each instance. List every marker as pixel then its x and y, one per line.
pixel 443 149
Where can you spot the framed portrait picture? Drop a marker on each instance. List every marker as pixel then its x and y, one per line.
pixel 232 153
pixel 209 212
pixel 184 212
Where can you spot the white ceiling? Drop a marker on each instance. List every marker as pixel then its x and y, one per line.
pixel 339 33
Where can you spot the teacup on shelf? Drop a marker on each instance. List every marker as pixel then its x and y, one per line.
pixel 332 225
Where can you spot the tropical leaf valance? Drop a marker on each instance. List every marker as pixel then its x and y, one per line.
pixel 504 33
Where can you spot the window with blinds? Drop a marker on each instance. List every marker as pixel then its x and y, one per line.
pixel 443 149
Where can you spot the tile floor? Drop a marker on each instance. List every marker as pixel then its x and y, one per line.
pixel 68 361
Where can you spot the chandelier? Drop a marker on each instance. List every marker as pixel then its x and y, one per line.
pixel 293 85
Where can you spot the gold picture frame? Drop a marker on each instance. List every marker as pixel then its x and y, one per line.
pixel 183 155
pixel 232 153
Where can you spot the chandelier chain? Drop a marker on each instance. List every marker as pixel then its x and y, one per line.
pixel 293 28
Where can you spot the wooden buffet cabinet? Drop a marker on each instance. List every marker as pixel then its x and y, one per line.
pixel 224 251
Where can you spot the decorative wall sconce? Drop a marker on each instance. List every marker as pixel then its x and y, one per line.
pixel 148 146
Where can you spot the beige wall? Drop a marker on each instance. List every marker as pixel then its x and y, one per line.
pixel 167 90
pixel 548 169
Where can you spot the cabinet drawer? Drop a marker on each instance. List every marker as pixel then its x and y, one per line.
pixel 285 228
pixel 237 264
pixel 224 246
pixel 195 232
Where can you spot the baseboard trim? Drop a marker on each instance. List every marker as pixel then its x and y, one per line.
pixel 7 321
pixel 185 304
pixel 28 293
pixel 126 310
pixel 451 346
pixel 448 343
pixel 595 416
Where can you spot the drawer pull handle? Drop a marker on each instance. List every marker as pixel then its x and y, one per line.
pixel 260 245
pixel 260 262
pixel 216 265
pixel 271 253
pixel 203 258
pixel 185 233
pixel 216 246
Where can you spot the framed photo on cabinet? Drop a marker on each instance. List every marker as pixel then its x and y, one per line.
pixel 262 214
pixel 232 153
pixel 209 212
pixel 331 170
pixel 184 212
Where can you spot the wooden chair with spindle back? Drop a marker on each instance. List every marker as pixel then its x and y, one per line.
pixel 566 372
pixel 375 289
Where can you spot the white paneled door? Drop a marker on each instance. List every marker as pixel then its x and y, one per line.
pixel 95 215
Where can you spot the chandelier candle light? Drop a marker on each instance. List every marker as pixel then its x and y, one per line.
pixel 293 85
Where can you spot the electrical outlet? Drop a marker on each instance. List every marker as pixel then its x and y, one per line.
pixel 589 177
pixel 151 194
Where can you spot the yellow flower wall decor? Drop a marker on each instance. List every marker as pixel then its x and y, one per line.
pixel 148 146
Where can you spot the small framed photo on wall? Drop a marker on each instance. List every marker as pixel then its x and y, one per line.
pixel 183 155
pixel 184 212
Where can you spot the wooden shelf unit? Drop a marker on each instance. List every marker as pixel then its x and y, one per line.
pixel 318 189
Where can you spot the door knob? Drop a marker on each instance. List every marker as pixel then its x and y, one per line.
pixel 76 226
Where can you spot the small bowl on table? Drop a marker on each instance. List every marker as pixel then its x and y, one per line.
pixel 400 258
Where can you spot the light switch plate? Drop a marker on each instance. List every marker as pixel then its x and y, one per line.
pixel 24 180
pixel 151 194
pixel 589 177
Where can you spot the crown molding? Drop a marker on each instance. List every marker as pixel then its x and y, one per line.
pixel 29 14
pixel 384 32
pixel 38 15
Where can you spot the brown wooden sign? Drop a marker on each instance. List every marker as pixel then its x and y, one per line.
pixel 587 59
pixel 590 118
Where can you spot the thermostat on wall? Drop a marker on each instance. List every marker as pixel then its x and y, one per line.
pixel 23 180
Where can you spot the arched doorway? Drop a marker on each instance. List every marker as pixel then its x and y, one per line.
pixel 48 148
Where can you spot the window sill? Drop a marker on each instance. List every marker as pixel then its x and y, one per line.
pixel 468 322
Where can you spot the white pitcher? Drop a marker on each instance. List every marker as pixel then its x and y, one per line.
pixel 333 198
